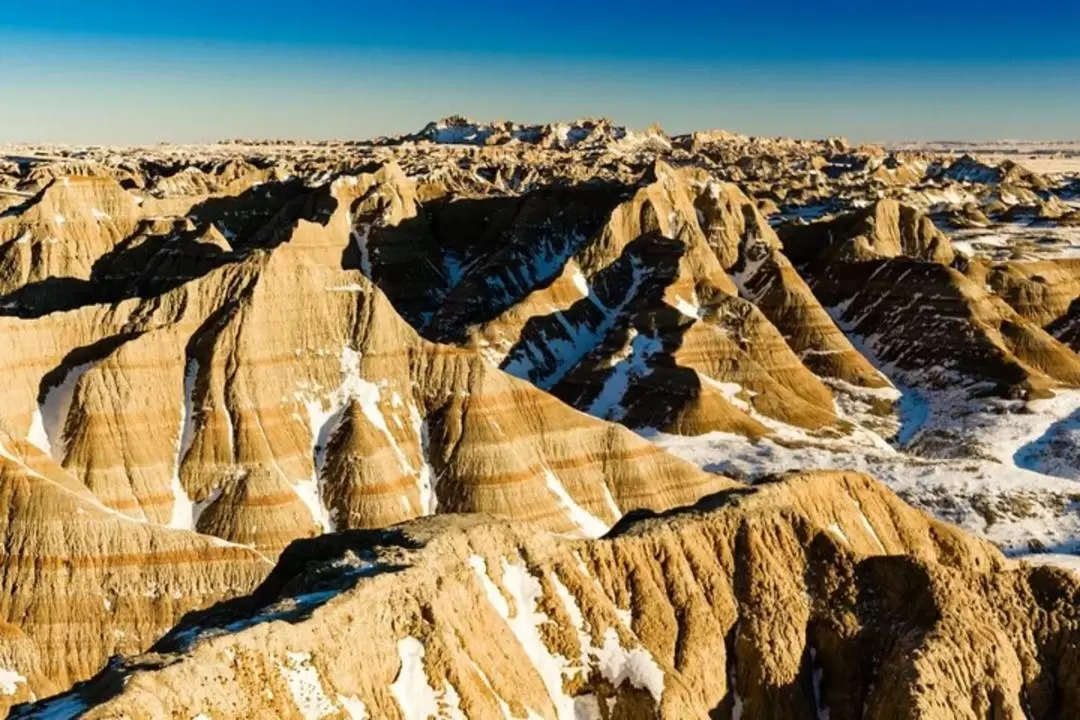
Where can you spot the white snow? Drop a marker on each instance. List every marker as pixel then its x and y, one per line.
pixel 38 435
pixel 866 524
pixel 426 480
pixel 688 308
pixel 616 663
pixel 819 698
pixel 360 239
pixel 1068 562
pixel 503 707
pixel 413 692
pixel 183 511
pixel 580 283
pixel 47 430
pixel 636 666
pixel 1012 240
pixel 9 681
pixel 525 590
pixel 1008 443
pixel 630 367
pixel 309 491
pixel 353 706
pixel 324 412
pixel 590 525
pixel 305 686
pixel 547 364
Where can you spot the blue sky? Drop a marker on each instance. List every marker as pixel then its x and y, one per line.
pixel 123 71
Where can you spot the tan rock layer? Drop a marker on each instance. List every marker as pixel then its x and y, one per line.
pixel 820 592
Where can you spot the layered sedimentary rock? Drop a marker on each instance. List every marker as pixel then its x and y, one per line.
pixel 82 582
pixel 258 394
pixel 886 229
pixel 818 593
pixel 209 352
pixel 621 299
pixel 278 395
pixel 64 230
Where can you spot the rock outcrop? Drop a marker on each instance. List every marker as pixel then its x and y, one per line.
pixel 215 353
pixel 819 592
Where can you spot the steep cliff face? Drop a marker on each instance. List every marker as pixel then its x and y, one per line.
pixel 280 395
pixel 665 303
pixel 820 592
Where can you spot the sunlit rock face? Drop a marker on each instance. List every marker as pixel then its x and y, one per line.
pixel 211 353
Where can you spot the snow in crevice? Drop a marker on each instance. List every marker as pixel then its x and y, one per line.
pixel 756 252
pixel 183 511
pixel 546 364
pixel 87 499
pixel 866 524
pixel 426 479
pixel 504 708
pixel 630 367
pixel 835 529
pixel 525 590
pixel 580 283
pixel 199 507
pixel 413 692
pixel 991 485
pixel 589 525
pixel 10 681
pixel 609 500
pixel 325 412
pixel 690 308
pixel 353 707
pixel 819 698
pixel 47 430
pixel 305 687
pixel 360 237
pixel 615 663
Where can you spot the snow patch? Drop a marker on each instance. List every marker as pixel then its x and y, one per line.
pixel 413 692
pixel 306 687
pixel 580 283
pixel 525 590
pixel 590 525
pixel 9 681
pixel 545 365
pixel 632 366
pixel 47 430
pixel 353 706
pixel 324 416
pixel 616 664
pixel 183 511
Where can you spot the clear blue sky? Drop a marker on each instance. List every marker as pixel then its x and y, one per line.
pixel 120 71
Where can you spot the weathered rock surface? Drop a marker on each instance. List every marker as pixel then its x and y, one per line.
pixel 209 352
pixel 821 592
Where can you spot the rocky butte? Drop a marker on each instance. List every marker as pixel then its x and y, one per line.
pixel 497 420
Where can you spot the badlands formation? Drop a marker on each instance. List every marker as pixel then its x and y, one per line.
pixel 560 421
